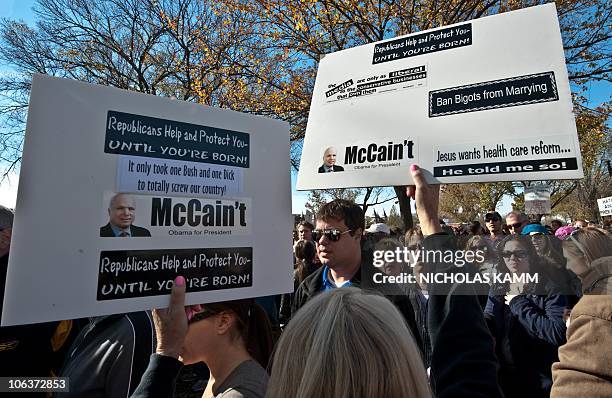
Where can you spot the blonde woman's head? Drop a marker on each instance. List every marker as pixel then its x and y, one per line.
pixel 585 245
pixel 347 343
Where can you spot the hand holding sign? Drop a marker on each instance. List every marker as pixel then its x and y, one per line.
pixel 427 199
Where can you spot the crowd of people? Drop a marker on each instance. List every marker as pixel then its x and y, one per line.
pixel 340 335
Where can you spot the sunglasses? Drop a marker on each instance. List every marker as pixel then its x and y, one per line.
pixel 516 225
pixel 519 254
pixel 492 218
pixel 333 235
pixel 200 316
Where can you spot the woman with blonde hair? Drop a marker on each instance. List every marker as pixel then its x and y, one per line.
pixel 348 343
pixel 584 361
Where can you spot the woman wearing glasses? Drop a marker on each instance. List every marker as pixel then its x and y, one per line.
pixel 232 338
pixel 550 252
pixel 526 320
pixel 584 367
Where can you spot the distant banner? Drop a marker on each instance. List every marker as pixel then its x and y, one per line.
pixel 605 206
pixel 537 200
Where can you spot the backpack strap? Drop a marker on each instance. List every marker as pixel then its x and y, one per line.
pixel 144 345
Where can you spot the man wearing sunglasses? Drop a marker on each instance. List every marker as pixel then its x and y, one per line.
pixel 493 221
pixel 516 221
pixel 338 233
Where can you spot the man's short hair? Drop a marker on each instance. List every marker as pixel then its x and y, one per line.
pixel 521 217
pixel 329 149
pixel 115 196
pixel 343 210
pixel 305 224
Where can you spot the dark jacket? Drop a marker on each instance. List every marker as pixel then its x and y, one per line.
pixel 107 232
pixel 35 350
pixel 528 333
pixel 336 168
pixel 110 356
pixel 312 286
pixel 286 303
pixel 463 361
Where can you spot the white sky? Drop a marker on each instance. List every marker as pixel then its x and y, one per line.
pixel 8 191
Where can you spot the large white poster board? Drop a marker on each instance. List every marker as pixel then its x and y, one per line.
pixel 484 100
pixel 605 206
pixel 196 181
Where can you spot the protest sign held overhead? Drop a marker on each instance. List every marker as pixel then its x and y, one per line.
pixel 537 199
pixel 479 101
pixel 605 206
pixel 122 192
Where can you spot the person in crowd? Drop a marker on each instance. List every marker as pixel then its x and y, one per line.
pixel 563 232
pixel 412 290
pixel 580 223
pixel 305 253
pixel 493 221
pixel 543 245
pixel 121 216
pixel 232 338
pixel 396 233
pixel 584 367
pixel 329 161
pixel 29 350
pixel 516 221
pixel 304 230
pixel 526 320
pixel 475 228
pixel 378 231
pixel 339 228
pixel 555 225
pixel 551 257
pixel 488 265
pixel 413 241
pixel 109 356
pixel 347 343
pixel 607 227
pixel 340 343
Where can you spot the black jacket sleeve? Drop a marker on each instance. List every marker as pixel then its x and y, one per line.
pixel 463 359
pixel 159 379
pixel 546 324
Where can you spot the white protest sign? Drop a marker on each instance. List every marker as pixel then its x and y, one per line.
pixel 537 200
pixel 605 206
pixel 483 100
pixel 121 192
